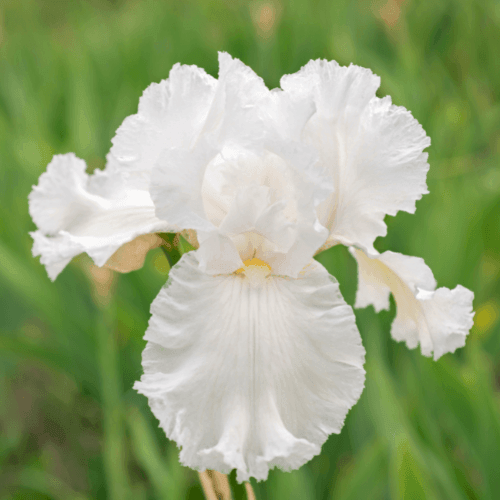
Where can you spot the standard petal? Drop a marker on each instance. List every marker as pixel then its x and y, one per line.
pixel 232 116
pixel 288 112
pixel 243 107
pixel 247 178
pixel 247 374
pixel 96 214
pixel 372 150
pixel 240 196
pixel 217 253
pixel 176 186
pixel 439 320
pixel 171 113
pixel 335 88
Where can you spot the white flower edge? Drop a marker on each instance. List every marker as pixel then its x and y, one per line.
pixel 97 214
pixel 257 374
pixel 372 150
pixel 439 320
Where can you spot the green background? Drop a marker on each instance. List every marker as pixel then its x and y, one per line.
pixel 71 427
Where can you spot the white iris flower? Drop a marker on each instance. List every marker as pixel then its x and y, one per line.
pixel 253 356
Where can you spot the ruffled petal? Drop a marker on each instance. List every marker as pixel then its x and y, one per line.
pixel 171 114
pixel 372 150
pixel 374 276
pixel 55 252
pixel 235 119
pixel 96 214
pixel 236 112
pixel 336 89
pixel 439 320
pixel 248 373
pixel 449 317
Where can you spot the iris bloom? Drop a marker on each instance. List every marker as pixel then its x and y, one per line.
pixel 253 357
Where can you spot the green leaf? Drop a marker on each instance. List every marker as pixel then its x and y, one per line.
pixel 114 448
pixel 167 478
pixel 175 247
pixel 366 472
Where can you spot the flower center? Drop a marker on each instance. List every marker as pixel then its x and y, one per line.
pixel 255 269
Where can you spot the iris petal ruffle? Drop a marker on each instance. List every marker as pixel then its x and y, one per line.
pixel 250 375
pixel 96 214
pixel 171 113
pixel 439 320
pixel 371 149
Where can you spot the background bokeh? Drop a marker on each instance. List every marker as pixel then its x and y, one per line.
pixel 71 427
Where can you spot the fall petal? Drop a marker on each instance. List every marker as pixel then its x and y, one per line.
pixel 377 273
pixel 449 316
pixel 439 320
pixel 250 373
pixel 78 213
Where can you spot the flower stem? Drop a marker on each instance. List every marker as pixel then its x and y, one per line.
pixel 250 492
pixel 215 485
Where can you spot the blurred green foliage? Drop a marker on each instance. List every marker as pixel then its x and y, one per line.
pixel 71 427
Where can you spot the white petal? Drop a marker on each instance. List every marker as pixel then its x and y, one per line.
pixel 246 179
pixel 233 119
pixel 288 112
pixel 243 107
pixel 55 252
pixel 335 88
pixel 438 320
pixel 217 253
pixel 237 192
pixel 449 316
pixel 308 188
pixel 376 273
pixel 371 149
pixel 250 374
pixel 171 113
pixel 235 115
pixel 78 213
pixel 176 186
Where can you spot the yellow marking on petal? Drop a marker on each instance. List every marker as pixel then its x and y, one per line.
pixel 263 267
pixel 256 262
